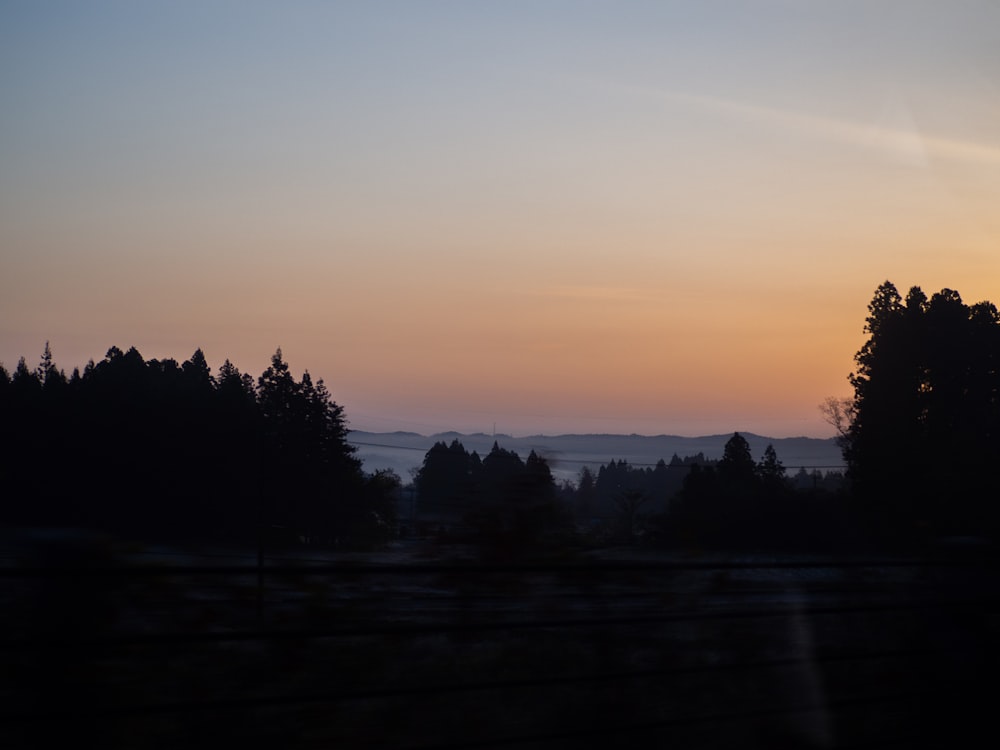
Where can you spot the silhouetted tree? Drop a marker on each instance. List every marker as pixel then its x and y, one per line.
pixel 238 453
pixel 24 381
pixel 926 414
pixel 839 414
pixel 586 496
pixel 197 373
pixel 770 470
pixel 737 465
pixel 47 373
pixel 447 478
pixel 309 466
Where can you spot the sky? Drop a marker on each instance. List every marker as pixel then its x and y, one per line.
pixel 522 216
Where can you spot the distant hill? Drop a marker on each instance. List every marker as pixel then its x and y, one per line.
pixel 568 454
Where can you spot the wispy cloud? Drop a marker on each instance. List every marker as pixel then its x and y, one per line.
pixel 895 134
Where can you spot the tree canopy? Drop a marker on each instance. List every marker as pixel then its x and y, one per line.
pixel 926 414
pixel 157 448
pixel 736 502
pixel 504 501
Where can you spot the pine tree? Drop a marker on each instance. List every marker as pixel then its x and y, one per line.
pixel 737 464
pixel 770 470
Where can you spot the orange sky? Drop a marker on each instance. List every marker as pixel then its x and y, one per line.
pixel 617 217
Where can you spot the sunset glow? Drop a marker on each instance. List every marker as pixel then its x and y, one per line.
pixel 546 217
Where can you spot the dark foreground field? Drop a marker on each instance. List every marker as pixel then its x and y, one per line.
pixel 109 646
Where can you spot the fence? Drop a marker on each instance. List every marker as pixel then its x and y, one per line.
pixel 130 650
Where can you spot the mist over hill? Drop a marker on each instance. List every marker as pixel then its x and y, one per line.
pixel 568 454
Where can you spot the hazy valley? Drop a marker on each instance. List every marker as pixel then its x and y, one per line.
pixel 568 454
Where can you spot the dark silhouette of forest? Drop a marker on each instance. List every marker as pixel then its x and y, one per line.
pixel 168 450
pixel 732 502
pixel 500 500
pixel 922 433
pixel 156 449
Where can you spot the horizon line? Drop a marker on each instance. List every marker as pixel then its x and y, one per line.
pixel 478 433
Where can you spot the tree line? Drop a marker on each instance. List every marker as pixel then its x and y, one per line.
pixel 730 502
pixel 158 448
pixel 500 500
pixel 167 450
